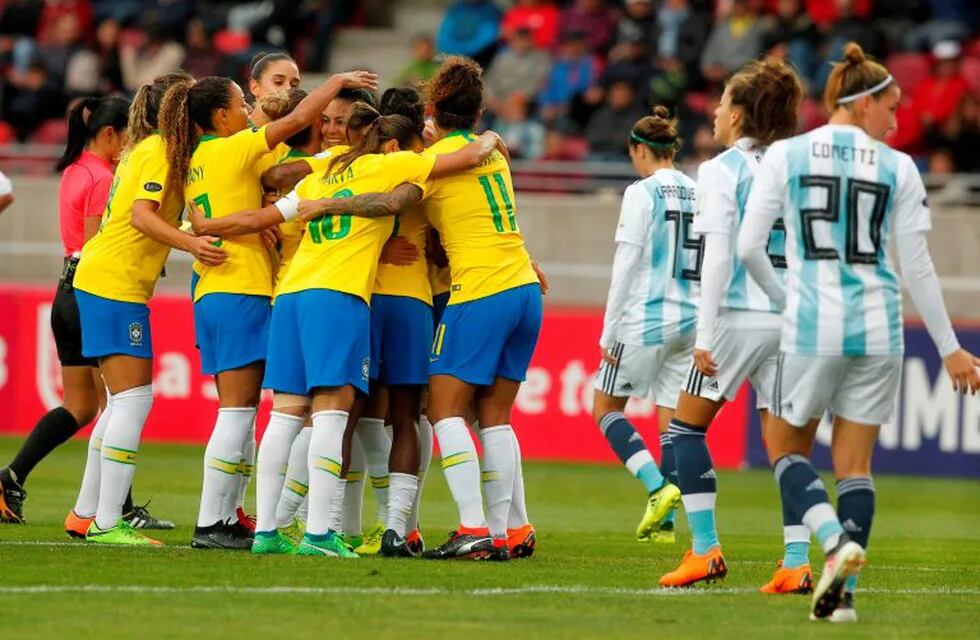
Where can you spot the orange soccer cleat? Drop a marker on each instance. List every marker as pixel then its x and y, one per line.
pixel 797 580
pixel 76 526
pixel 521 541
pixel 694 568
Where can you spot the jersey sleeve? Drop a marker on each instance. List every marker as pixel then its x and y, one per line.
pixel 717 210
pixel 320 161
pixel 96 197
pixel 6 188
pixel 153 172
pixel 911 204
pixel 407 166
pixel 247 147
pixel 635 216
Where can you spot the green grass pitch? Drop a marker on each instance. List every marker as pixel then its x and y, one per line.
pixel 589 578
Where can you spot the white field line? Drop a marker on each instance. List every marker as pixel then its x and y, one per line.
pixel 431 591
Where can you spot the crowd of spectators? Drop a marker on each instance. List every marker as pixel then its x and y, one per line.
pixel 566 79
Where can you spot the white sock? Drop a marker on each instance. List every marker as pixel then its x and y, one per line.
pixel 462 469
pixel 336 518
pixel 120 444
pixel 404 486
pixel 221 462
pixel 425 459
pixel 498 476
pixel 274 450
pixel 518 508
pixel 353 501
pixel 303 512
pixel 377 447
pixel 325 460
pixel 88 494
pixel 297 484
pixel 246 467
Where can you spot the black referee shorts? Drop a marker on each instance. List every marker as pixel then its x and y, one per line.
pixel 67 327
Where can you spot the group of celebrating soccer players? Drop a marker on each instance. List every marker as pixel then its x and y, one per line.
pixel 363 261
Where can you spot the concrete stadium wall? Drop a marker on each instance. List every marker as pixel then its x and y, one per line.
pixel 571 235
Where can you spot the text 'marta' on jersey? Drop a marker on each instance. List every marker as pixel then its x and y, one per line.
pixel 842 196
pixel 658 214
pixel 120 263
pixel 340 252
pixel 409 280
pixel 476 215
pixel 222 178
pixel 723 190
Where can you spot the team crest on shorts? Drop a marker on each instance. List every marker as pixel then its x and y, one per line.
pixel 136 334
pixel 365 368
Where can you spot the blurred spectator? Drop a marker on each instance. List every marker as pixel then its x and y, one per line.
pixel 524 137
pixel 144 57
pixel 735 40
pixel 573 72
pixel 790 34
pixel 608 130
pixel 423 64
pixel 31 98
pixel 592 18
pixel 638 22
pixel 941 162
pixel 937 96
pixel 520 68
pixel 539 16
pixel 202 58
pixel 631 64
pixel 960 134
pixel 54 12
pixel 60 40
pixel 828 11
pixel 96 70
pixel 702 147
pixel 470 28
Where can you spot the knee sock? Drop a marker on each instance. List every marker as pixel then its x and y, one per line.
pixel 88 494
pixel 498 476
pixel 120 444
pixel 297 484
pixel 222 458
pixel 353 502
pixel 401 498
pixel 805 495
pixel 325 459
pixel 517 517
pixel 668 466
pixel 796 540
pixel 698 484
pixel 856 511
pixel 52 430
pixel 246 468
pixel 628 445
pixel 273 457
pixel 425 459
pixel 462 469
pixel 335 518
pixel 377 447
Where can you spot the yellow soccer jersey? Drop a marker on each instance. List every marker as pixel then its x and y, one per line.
pixel 412 280
pixel 320 161
pixel 439 280
pixel 274 157
pixel 340 252
pixel 222 179
pixel 120 263
pixel 291 231
pixel 475 215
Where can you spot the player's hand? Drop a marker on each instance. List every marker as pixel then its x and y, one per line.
pixel 358 80
pixel 542 277
pixel 608 357
pixel 271 238
pixel 310 210
pixel 704 362
pixel 962 368
pixel 195 215
pixel 399 252
pixel 202 248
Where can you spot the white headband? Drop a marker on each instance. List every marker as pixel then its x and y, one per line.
pixel 867 92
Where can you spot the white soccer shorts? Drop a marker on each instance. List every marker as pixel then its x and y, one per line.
pixel 857 388
pixel 659 368
pixel 741 353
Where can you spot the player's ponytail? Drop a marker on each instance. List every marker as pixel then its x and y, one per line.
pixel 404 101
pixel 456 93
pixel 854 77
pixel 657 132
pixel 768 92
pixel 145 108
pixel 86 119
pixel 362 115
pixel 381 131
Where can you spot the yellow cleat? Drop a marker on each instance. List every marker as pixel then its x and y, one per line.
pixel 665 535
pixel 371 546
pixel 798 580
pixel 659 505
pixel 694 568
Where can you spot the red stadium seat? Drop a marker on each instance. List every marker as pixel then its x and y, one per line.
pixel 909 69
pixel 970 70
pixel 228 42
pixel 7 133
pixel 51 132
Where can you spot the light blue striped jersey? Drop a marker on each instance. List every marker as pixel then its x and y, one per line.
pixel 657 215
pixel 723 189
pixel 843 195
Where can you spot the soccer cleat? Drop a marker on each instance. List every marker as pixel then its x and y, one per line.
pixel 500 552
pixel 844 561
pixel 245 520
pixel 415 542
pixel 294 531
pixel 330 544
pixel 659 505
pixel 352 541
pixel 521 541
pixel 665 534
pixel 798 580
pixel 394 546
pixel 694 568
pixel 141 518
pixel 76 526
pixel 222 535
pixel 272 543
pixel 470 544
pixel 371 543
pixel 845 611
pixel 12 497
pixel 122 533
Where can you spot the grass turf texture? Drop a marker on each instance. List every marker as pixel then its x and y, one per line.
pixel 589 578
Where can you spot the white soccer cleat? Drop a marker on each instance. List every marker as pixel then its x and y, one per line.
pixel 844 561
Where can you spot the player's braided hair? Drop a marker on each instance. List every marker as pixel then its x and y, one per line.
pixel 145 108
pixel 383 129
pixel 456 93
pixel 854 74
pixel 769 93
pixel 657 132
